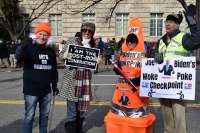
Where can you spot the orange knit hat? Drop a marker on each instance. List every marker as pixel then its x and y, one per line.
pixel 43 27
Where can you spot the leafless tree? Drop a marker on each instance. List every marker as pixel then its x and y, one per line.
pixel 92 3
pixel 11 16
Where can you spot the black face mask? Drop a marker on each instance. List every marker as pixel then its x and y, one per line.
pixel 132 38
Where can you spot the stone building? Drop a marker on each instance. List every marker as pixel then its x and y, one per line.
pixel 65 22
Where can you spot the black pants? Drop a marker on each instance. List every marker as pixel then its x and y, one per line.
pixel 107 60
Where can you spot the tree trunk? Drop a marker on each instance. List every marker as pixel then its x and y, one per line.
pixel 13 37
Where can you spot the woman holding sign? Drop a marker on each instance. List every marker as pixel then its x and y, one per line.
pixel 76 86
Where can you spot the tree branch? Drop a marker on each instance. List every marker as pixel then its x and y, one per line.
pixel 112 9
pixel 47 6
pixel 94 2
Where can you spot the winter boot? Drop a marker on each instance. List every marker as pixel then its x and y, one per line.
pixel 79 125
pixel 70 127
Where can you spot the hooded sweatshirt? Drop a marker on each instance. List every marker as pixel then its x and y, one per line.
pixel 40 68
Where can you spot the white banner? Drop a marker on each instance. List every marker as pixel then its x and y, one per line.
pixel 173 79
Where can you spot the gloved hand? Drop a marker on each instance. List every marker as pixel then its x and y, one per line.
pixel 158 58
pixel 116 67
pixel 55 91
pixel 116 71
pixel 180 16
pixel 190 15
pixel 67 55
pixel 25 43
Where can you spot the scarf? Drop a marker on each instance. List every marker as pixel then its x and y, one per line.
pixel 83 88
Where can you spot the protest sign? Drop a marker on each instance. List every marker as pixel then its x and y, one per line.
pixel 173 79
pixel 82 57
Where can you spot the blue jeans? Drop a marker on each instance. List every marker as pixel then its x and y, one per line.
pixel 72 111
pixel 30 107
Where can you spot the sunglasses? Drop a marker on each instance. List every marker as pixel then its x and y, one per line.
pixel 86 30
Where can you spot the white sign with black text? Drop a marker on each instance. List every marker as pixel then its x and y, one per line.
pixel 173 79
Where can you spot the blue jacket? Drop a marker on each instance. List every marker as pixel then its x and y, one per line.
pixel 167 71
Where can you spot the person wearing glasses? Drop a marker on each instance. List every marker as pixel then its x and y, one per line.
pixel 176 44
pixel 77 82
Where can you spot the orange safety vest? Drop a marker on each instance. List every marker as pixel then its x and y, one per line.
pixel 130 61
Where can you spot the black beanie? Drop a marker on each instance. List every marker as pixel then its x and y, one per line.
pixel 177 18
pixel 78 34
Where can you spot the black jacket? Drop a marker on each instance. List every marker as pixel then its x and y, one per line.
pixel 167 71
pixel 12 48
pixel 40 68
pixel 3 50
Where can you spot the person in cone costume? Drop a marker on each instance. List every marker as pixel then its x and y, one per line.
pixel 128 108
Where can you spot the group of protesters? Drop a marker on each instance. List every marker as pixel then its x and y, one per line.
pixel 40 75
pixel 7 54
pixel 109 48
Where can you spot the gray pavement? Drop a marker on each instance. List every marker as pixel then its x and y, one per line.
pixel 12 108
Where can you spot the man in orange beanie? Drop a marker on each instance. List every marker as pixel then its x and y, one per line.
pixel 43 27
pixel 40 77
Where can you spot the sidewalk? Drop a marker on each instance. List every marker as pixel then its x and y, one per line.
pixel 10 69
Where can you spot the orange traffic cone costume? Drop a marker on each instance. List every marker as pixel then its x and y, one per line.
pixel 128 113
